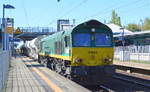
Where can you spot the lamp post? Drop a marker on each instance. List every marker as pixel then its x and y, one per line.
pixel 123 42
pixel 4 37
pixel 4 41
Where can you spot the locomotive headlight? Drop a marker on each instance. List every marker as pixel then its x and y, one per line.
pixel 78 60
pixel 93 29
pixel 107 60
pixel 110 60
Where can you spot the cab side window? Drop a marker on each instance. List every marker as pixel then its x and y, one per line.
pixel 67 41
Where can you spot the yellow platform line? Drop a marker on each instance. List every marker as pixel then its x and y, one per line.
pixel 49 82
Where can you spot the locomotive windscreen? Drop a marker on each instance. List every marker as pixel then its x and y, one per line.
pixel 102 39
pixel 82 39
pixel 91 39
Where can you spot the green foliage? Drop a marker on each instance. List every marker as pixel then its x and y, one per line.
pixel 119 21
pixel 146 25
pixel 115 19
pixel 143 27
pixel 133 27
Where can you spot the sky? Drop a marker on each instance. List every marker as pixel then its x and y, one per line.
pixel 44 13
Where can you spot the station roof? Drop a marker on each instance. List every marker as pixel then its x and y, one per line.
pixel 32 35
pixel 142 38
pixel 116 29
pixel 135 35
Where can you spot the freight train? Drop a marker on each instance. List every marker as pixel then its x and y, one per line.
pixel 31 48
pixel 83 54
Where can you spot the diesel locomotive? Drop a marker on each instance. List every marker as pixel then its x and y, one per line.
pixel 83 54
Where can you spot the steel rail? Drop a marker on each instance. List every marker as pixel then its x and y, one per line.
pixel 132 81
pixel 107 89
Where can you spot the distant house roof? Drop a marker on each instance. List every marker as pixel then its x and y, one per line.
pixel 140 33
pixel 116 29
pixel 140 38
pixel 134 35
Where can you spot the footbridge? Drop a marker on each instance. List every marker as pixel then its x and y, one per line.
pixel 29 33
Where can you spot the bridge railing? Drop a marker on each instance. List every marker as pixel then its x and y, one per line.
pixel 4 68
pixel 37 29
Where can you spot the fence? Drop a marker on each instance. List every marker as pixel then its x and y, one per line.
pixel 133 53
pixel 4 66
pixel 0 34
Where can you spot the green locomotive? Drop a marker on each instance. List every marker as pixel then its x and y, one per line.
pixel 83 54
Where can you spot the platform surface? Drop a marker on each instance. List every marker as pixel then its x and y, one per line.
pixel 132 64
pixel 26 75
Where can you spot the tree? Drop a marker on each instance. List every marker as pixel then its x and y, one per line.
pixel 146 25
pixel 115 18
pixel 119 21
pixel 133 27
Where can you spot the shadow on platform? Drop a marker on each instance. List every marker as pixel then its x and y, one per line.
pixel 35 65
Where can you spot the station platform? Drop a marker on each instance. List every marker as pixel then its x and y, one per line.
pixel 26 75
pixel 132 64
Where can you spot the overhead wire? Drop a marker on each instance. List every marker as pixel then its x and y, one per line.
pixel 70 10
pixel 121 9
pixel 25 13
pixel 77 6
pixel 104 11
pixel 137 7
pixel 132 11
pixel 109 9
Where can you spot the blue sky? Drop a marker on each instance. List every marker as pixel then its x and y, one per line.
pixel 46 12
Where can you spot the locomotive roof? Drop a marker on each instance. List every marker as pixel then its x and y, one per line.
pixel 57 34
pixel 88 24
pixel 92 23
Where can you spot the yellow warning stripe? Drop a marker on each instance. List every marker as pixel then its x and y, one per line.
pixel 61 57
pixel 49 82
pixel 57 56
pixel 42 54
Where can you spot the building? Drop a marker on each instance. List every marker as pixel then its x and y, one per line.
pixel 64 24
pixel 117 29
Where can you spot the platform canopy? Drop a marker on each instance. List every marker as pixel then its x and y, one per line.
pixel 142 37
pixel 117 29
pixel 32 35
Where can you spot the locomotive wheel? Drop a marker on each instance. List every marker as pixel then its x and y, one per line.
pixel 69 77
pixel 49 65
pixel 39 59
pixel 45 64
pixel 58 68
pixel 52 66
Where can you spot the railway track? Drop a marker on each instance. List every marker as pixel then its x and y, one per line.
pixel 99 88
pixel 124 83
pixel 133 69
pixel 135 80
pixel 105 89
